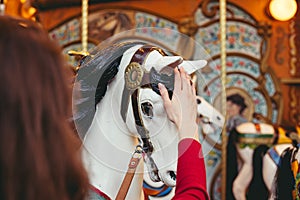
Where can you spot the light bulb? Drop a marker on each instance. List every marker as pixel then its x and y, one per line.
pixel 283 10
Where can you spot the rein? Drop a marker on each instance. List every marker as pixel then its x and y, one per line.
pixel 134 161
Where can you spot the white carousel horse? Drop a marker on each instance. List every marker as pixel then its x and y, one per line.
pixel 126 110
pixel 251 142
pixel 209 119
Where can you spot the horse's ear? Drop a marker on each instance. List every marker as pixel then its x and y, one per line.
pixel 167 62
pixel 170 61
pixel 190 66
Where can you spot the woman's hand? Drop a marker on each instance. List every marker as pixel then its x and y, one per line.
pixel 182 109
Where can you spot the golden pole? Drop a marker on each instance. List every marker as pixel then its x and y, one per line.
pixel 84 26
pixel 84 36
pixel 223 93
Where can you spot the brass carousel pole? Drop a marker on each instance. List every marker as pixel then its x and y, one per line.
pixel 223 93
pixel 84 36
pixel 84 26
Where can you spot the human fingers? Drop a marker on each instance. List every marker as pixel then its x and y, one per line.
pixel 164 94
pixel 194 88
pixel 171 112
pixel 185 80
pixel 177 84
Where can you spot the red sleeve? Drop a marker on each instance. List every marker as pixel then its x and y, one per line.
pixel 191 175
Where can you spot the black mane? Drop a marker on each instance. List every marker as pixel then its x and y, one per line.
pixel 97 71
pixel 91 83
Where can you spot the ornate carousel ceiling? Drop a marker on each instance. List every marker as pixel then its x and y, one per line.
pixel 51 4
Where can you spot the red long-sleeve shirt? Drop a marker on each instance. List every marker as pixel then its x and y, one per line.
pixel 191 175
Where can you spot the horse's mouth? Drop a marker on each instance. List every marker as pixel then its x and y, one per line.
pixel 172 175
pixel 169 177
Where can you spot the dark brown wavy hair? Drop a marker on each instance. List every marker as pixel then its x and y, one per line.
pixel 39 154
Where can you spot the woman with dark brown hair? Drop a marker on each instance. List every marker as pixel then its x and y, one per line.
pixel 38 156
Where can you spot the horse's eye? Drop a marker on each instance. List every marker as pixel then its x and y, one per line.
pixel 147 109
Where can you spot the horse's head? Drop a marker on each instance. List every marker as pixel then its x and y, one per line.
pixel 209 117
pixel 142 107
pixel 133 78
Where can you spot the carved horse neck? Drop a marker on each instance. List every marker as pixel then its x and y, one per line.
pixel 108 148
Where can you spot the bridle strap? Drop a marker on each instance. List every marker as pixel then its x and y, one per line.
pixel 134 161
pixel 257 127
pixel 138 57
pixel 132 92
pixel 139 124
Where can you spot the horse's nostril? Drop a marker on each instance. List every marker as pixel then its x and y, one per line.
pixel 172 175
pixel 198 101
